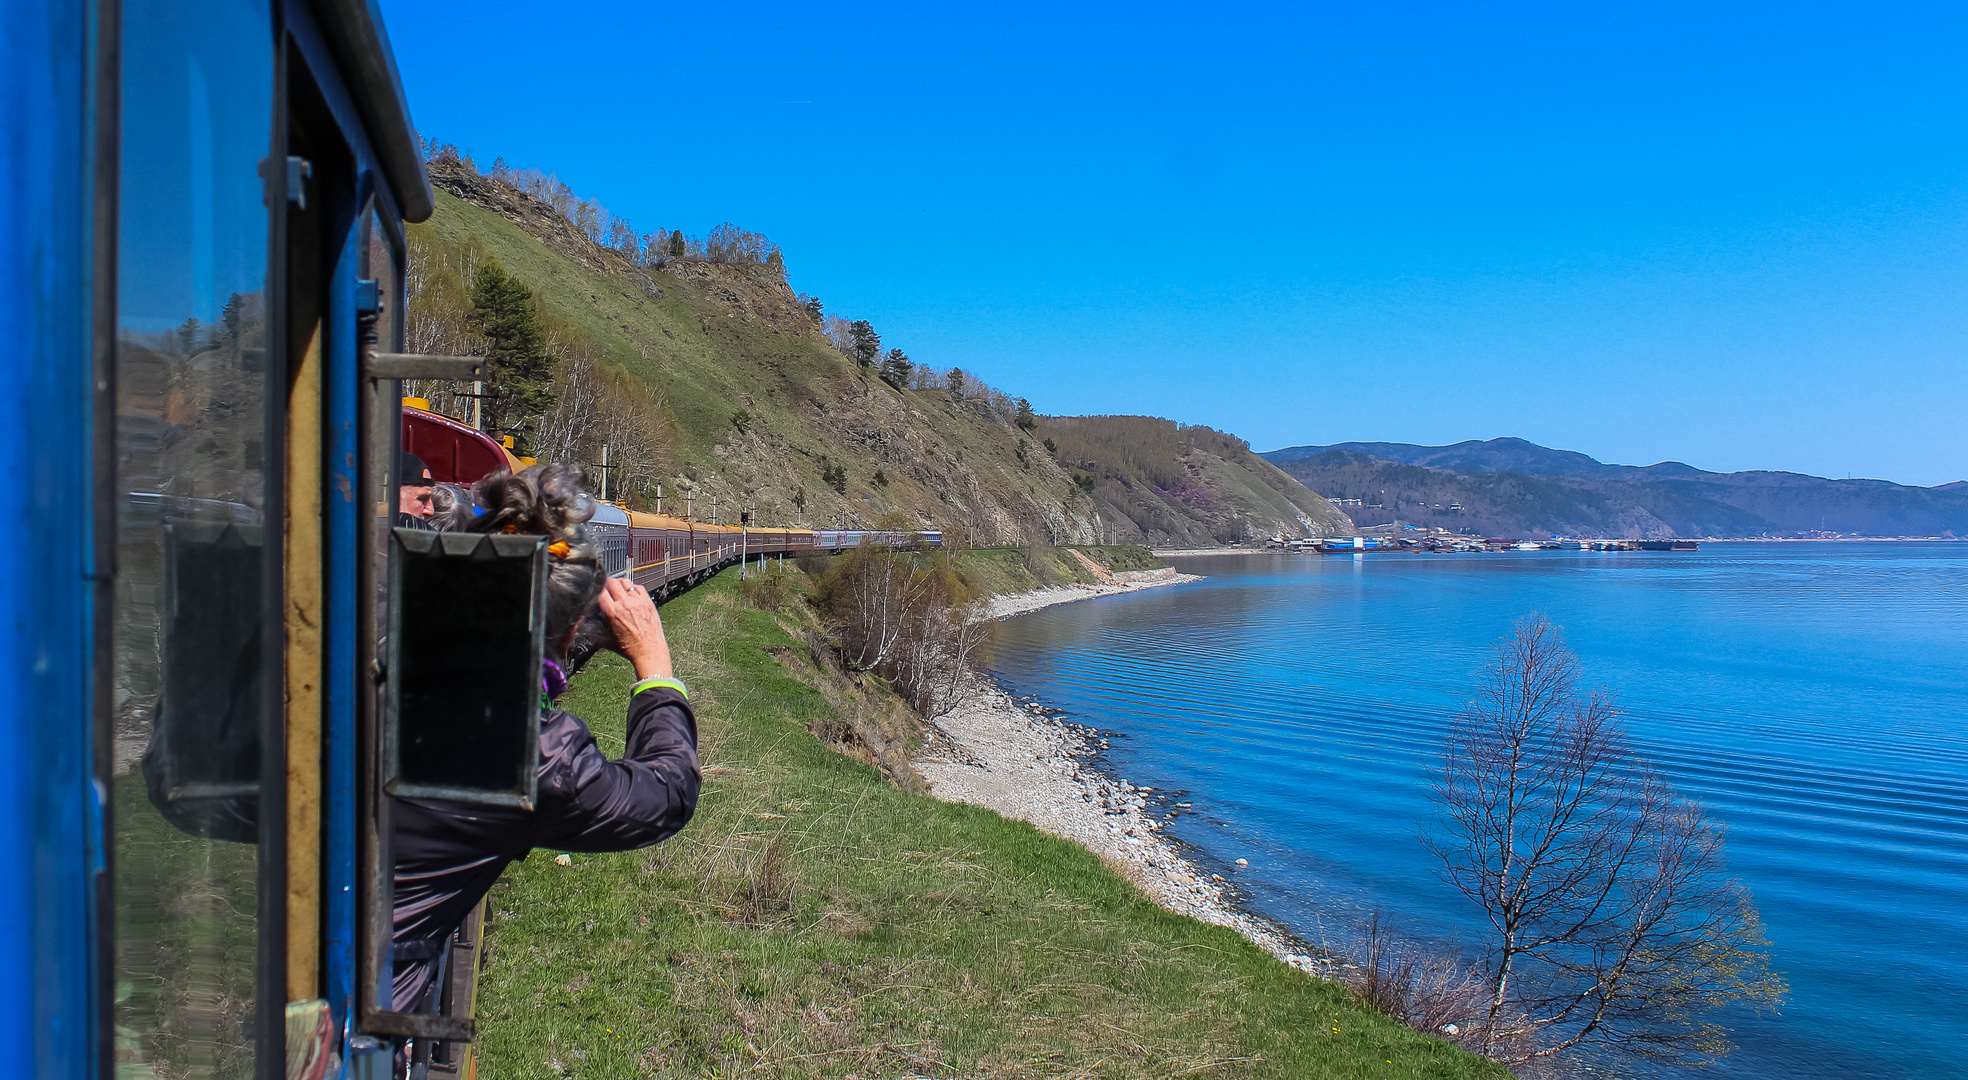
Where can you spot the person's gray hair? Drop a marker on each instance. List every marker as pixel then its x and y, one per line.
pixel 549 500
pixel 451 508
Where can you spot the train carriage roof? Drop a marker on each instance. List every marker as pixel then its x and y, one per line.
pixel 643 520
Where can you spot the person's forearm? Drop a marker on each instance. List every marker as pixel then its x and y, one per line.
pixel 652 659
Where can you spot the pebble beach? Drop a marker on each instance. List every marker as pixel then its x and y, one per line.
pixel 1027 762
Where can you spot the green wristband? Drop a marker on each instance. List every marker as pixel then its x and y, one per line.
pixel 655 681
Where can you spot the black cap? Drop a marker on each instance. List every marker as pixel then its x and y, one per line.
pixel 411 471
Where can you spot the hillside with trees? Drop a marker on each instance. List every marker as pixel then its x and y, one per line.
pixel 690 368
pixel 1162 483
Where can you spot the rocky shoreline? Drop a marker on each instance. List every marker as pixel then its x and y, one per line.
pixel 1004 607
pixel 1026 761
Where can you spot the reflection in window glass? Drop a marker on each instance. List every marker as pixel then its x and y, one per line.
pixel 191 392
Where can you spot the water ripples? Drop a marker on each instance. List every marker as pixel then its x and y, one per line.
pixel 1811 699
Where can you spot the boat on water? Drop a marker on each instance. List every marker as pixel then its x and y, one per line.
pixel 1668 545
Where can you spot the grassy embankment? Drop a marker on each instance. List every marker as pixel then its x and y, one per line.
pixel 814 920
pixel 1002 571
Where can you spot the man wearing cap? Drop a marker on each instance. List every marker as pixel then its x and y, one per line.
pixel 413 493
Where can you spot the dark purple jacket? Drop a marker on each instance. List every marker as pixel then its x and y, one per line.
pixel 449 854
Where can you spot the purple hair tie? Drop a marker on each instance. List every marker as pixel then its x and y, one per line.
pixel 552 679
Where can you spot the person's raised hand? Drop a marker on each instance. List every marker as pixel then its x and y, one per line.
pixel 638 629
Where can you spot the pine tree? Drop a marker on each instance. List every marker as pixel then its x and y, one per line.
pixel 897 369
pixel 1026 421
pixel 519 371
pixel 230 318
pixel 835 476
pixel 867 343
pixel 678 246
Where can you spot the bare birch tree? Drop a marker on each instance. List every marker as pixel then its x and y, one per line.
pixel 597 405
pixel 437 319
pixel 569 425
pixel 1613 921
pixel 867 592
pixel 909 617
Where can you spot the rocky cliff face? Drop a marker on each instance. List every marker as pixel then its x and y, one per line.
pixel 767 411
pixel 1162 483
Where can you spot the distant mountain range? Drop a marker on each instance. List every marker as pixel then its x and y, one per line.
pixel 1518 488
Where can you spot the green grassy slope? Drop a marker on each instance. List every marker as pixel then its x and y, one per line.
pixel 1004 571
pixel 816 921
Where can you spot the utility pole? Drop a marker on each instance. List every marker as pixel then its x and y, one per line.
pixel 659 497
pixel 714 509
pixel 604 472
pixel 744 538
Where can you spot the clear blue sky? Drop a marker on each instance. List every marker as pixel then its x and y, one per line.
pixel 1731 235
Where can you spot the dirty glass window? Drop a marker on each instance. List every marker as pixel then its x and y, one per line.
pixel 192 534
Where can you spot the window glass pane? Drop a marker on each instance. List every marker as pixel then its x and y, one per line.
pixel 191 393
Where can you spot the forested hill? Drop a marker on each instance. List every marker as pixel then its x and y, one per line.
pixel 1518 488
pixel 713 377
pixel 1183 485
pixel 693 361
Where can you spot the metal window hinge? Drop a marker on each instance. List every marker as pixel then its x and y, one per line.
pixel 299 170
pixel 385 365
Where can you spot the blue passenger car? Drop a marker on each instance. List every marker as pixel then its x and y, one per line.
pixel 201 251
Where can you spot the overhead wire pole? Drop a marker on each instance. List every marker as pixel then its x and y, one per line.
pixel 606 470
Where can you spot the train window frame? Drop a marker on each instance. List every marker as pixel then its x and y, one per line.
pixel 408 549
pixel 380 404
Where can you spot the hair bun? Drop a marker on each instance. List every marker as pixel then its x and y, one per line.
pixel 547 500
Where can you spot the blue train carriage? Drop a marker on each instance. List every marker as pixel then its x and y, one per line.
pixel 837 541
pixel 219 653
pixel 208 652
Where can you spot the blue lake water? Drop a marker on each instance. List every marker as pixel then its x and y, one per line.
pixel 1813 696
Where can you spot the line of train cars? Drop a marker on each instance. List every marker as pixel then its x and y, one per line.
pixel 667 555
pixel 663 554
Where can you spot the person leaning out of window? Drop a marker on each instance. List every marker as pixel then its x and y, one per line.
pixel 448 854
